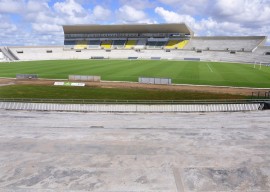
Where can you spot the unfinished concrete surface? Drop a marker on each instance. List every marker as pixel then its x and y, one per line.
pixel 169 152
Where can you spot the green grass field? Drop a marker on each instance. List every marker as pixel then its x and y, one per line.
pixel 56 92
pixel 181 72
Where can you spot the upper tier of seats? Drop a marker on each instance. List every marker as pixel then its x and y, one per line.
pixel 125 44
pixel 225 43
pixel 196 43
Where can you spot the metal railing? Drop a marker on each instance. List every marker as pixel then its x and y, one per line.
pixel 151 102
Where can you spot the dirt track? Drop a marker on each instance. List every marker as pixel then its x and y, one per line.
pixel 107 84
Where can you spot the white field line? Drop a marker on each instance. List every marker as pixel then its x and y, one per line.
pixel 209 68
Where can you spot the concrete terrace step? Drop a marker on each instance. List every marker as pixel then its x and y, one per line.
pixel 129 107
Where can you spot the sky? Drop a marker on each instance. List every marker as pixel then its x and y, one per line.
pixel 39 22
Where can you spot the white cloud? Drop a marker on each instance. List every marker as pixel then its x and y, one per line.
pixel 46 28
pixel 37 21
pixel 101 13
pixel 172 17
pixel 6 26
pixel 46 22
pixel 170 1
pixel 36 6
pixel 188 7
pixel 229 7
pixel 11 6
pixel 70 8
pixel 249 13
pixel 209 26
pixel 129 14
pixel 49 20
pixel 138 4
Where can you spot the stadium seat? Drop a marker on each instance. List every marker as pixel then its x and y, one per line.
pixel 130 44
pixel 171 44
pixel 160 44
pixel 106 44
pixel 151 44
pixel 156 44
pixel 81 45
pixel 176 44
pixel 141 43
pixel 94 44
pixel 182 44
pixel 226 43
pixel 69 44
pixel 119 43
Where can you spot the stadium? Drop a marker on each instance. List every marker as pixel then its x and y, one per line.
pixel 145 41
pixel 136 107
pixel 125 53
pixel 152 52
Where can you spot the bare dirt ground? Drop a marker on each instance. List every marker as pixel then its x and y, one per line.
pixel 133 85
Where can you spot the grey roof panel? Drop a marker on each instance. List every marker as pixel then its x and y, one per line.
pixel 129 28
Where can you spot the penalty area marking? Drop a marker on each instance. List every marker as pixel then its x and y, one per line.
pixel 209 68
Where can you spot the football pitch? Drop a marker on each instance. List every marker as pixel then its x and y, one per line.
pixel 181 72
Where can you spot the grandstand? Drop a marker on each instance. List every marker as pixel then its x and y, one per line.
pixel 125 36
pixel 57 53
pixel 145 41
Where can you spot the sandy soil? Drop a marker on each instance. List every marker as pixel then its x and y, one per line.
pixel 133 85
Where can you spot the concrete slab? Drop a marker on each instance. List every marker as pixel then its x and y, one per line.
pixel 167 152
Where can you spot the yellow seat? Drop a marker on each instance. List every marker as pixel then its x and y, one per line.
pixel 130 44
pixel 81 45
pixel 182 44
pixel 171 44
pixel 106 44
pixel 176 44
